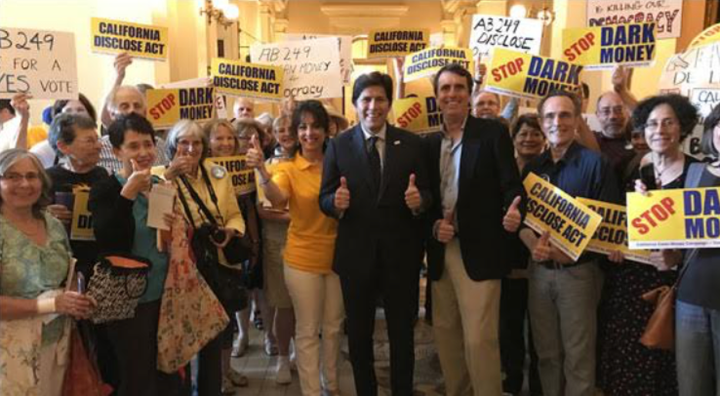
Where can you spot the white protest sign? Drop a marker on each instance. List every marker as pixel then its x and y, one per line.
pixel 667 14
pixel 705 99
pixel 39 62
pixel 517 34
pixel 312 67
pixel 345 43
pixel 698 67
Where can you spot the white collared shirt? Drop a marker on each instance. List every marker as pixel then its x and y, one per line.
pixel 379 144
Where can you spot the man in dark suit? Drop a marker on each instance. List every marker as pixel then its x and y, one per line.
pixel 374 182
pixel 476 196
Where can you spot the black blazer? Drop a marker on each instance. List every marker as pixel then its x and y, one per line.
pixel 488 183
pixel 371 218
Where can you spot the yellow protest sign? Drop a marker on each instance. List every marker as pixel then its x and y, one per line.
pixel 389 43
pixel 427 62
pixel 682 218
pixel 530 76
pixel 603 47
pixel 419 115
pixel 571 223
pixel 81 228
pixel 611 235
pixel 242 177
pixel 168 106
pixel 247 79
pixel 141 41
pixel 707 36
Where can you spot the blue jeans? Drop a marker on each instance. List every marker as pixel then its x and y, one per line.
pixel 563 314
pixel 697 341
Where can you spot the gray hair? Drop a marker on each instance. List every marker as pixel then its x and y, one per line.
pixel 10 157
pixel 112 101
pixel 182 128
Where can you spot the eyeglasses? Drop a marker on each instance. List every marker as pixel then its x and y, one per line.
pixel 666 123
pixel 606 111
pixel 14 177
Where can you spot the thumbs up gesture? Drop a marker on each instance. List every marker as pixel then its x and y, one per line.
pixel 139 181
pixel 512 219
pixel 413 199
pixel 542 250
pixel 255 157
pixel 342 195
pixel 444 229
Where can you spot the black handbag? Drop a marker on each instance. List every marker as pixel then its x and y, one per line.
pixel 226 283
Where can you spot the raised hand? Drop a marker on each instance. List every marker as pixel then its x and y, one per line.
pixel 512 219
pixel 342 195
pixel 413 199
pixel 444 228
pixel 122 61
pixel 20 103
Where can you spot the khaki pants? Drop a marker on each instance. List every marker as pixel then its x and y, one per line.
pixel 465 323
pixel 318 304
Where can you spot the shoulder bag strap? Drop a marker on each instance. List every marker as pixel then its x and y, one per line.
pixel 211 191
pixel 692 180
pixel 198 201
pixel 185 205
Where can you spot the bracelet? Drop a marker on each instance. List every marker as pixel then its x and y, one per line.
pixel 45 305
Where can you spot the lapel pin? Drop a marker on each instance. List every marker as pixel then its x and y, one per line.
pixel 397 142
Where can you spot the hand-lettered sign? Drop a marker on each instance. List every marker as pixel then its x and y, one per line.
pixel 38 62
pixel 517 34
pixel 667 14
pixel 311 67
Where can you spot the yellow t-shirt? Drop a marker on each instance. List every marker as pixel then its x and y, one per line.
pixel 311 236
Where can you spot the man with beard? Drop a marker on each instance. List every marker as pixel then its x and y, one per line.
pixel 612 113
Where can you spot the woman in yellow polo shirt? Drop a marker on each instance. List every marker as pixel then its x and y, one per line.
pixel 314 288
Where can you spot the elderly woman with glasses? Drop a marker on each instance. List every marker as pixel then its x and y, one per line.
pixel 626 366
pixel 34 264
pixel 198 178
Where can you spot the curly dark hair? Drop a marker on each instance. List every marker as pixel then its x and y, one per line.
pixel 685 112
pixel 708 145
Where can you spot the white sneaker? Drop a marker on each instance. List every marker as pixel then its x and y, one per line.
pixel 283 376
